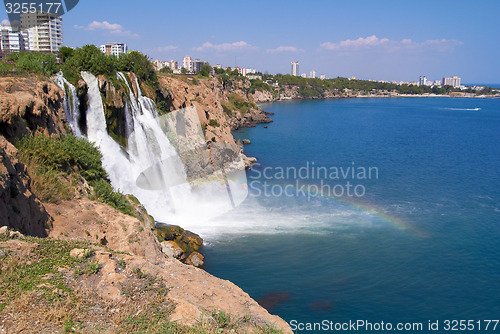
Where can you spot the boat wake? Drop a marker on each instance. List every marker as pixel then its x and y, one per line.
pixel 461 109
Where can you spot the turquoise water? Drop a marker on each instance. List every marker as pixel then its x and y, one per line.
pixel 422 243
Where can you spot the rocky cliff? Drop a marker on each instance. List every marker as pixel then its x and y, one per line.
pixel 110 264
pixel 30 105
pixel 20 209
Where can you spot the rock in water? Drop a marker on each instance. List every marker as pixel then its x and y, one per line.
pixel 246 142
pixel 272 299
pixel 195 259
pixel 188 241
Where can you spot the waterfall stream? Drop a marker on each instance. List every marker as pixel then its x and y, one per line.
pixel 151 166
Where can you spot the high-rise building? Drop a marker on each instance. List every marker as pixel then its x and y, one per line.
pixel 173 65
pixel 187 63
pixel 115 49
pixel 11 39
pixel 197 65
pixel 43 31
pixel 295 68
pixel 422 81
pixel 312 74
pixel 453 81
pixel 322 77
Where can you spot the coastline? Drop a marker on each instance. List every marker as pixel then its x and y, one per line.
pixel 362 96
pixel 111 251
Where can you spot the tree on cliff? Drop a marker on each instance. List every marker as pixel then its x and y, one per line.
pixel 205 70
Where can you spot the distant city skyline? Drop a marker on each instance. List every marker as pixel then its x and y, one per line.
pixel 389 40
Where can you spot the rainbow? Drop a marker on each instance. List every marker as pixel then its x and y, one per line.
pixel 371 210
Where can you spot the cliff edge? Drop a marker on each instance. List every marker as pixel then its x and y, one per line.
pixel 80 264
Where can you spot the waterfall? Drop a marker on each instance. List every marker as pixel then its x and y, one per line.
pixel 159 155
pixel 71 103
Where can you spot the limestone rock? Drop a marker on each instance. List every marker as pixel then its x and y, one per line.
pixel 4 230
pixel 246 141
pixel 29 105
pixel 195 259
pixel 172 250
pixel 77 252
pixel 93 221
pixel 19 208
pixel 261 96
pixel 188 241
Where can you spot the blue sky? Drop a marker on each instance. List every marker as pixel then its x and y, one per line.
pixel 381 40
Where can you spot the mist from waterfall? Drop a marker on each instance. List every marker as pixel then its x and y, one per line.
pixel 151 166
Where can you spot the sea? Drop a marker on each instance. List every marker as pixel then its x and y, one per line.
pixel 369 210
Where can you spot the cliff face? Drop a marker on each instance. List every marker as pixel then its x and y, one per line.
pixel 263 96
pixel 30 105
pixel 125 257
pixel 27 106
pixel 205 95
pixel 19 207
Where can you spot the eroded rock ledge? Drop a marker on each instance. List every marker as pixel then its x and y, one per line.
pixel 117 253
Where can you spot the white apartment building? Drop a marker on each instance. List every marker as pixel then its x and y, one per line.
pixel 11 39
pixel 115 49
pixel 158 64
pixel 295 68
pixel 422 81
pixel 173 65
pixel 312 74
pixel 246 71
pixel 43 32
pixel 453 81
pixel 187 63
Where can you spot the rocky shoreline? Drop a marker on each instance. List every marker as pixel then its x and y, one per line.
pixel 107 253
pixel 292 94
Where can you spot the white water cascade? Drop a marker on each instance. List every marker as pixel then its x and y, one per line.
pixel 71 104
pixel 151 167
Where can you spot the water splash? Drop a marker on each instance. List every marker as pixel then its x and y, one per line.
pixel 71 104
pixel 166 162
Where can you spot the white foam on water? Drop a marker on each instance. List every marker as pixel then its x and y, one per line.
pixel 150 167
pixel 462 109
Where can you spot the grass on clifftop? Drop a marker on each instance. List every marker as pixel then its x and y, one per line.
pixel 57 163
pixel 45 289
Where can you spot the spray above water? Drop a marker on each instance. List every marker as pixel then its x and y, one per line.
pixel 183 179
pixel 166 163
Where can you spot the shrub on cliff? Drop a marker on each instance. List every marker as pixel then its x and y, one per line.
pixel 90 58
pixel 259 85
pixel 236 102
pixel 54 163
pixel 6 67
pixel 35 62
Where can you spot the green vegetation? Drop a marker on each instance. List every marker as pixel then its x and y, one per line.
pixel 213 123
pixel 205 71
pixel 90 58
pixel 236 102
pixel 316 88
pixel 260 85
pixel 21 275
pixel 45 288
pixel 34 62
pixel 58 162
pixel 6 67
